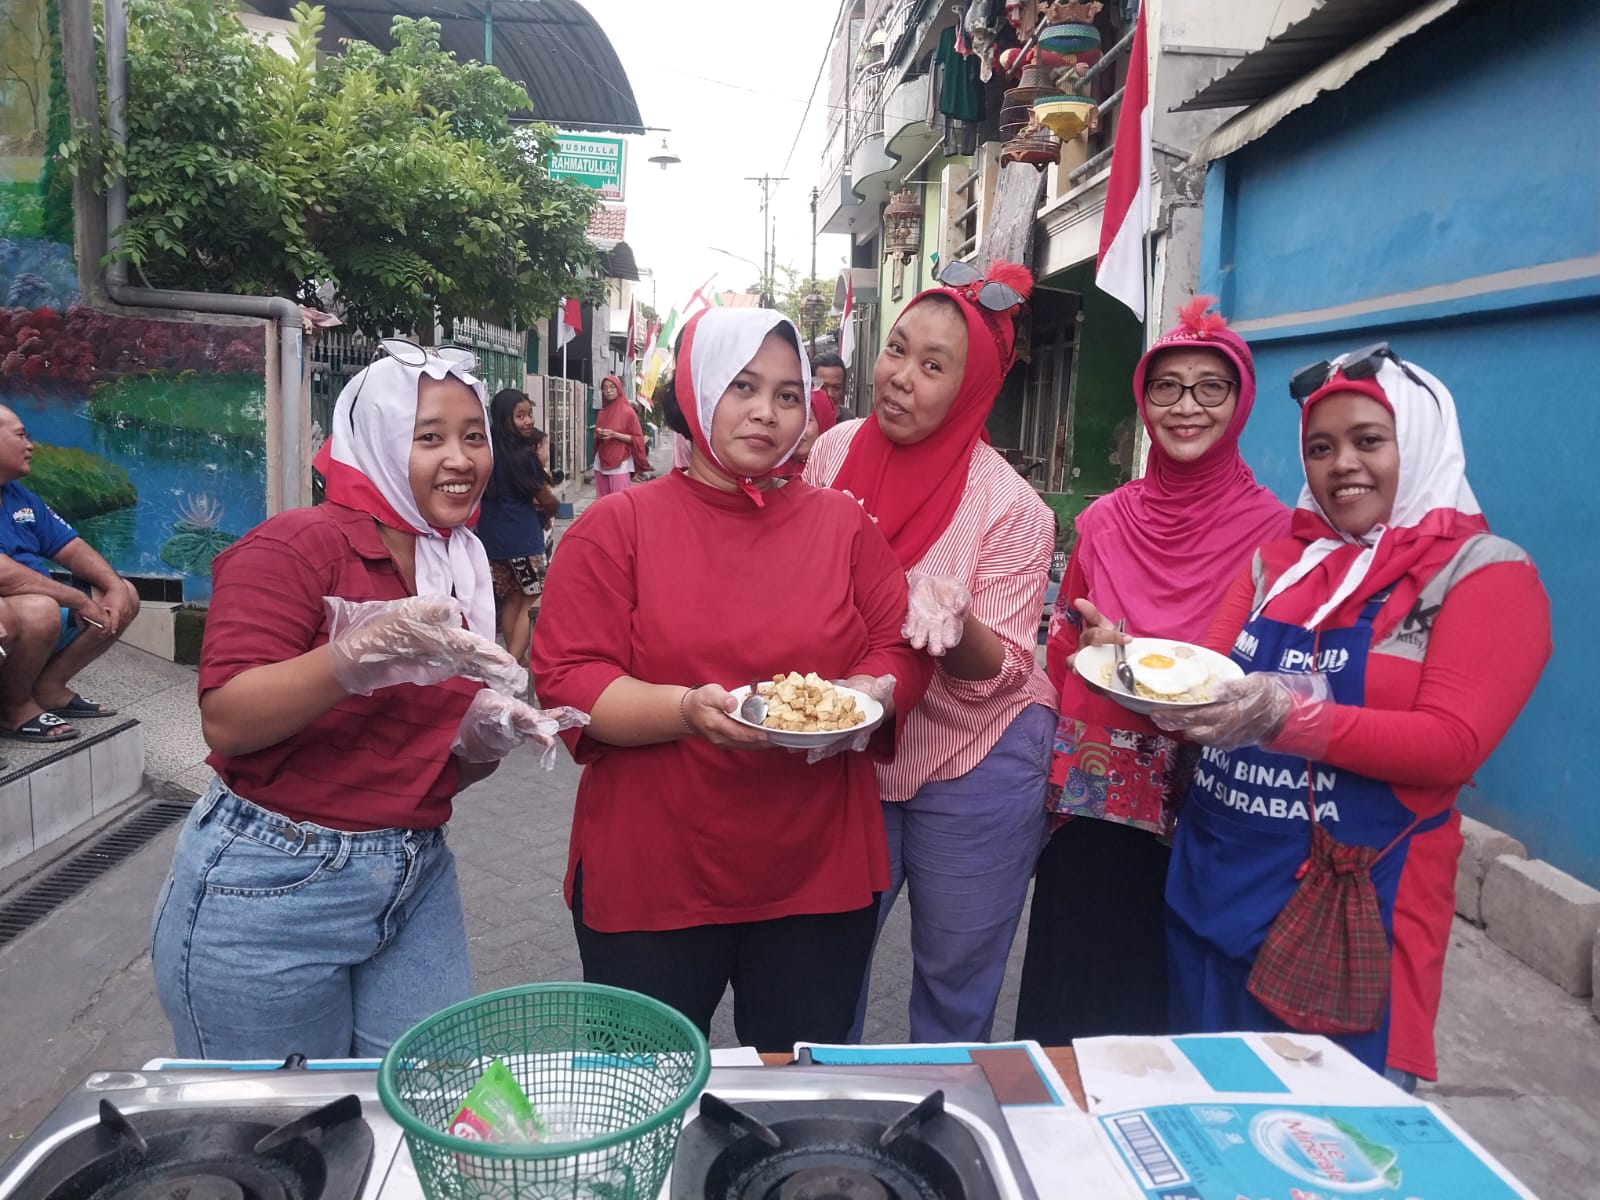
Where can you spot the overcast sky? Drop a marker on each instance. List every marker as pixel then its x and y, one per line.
pixel 729 79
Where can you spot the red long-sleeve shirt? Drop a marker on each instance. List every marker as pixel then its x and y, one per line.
pixel 675 582
pixel 1425 728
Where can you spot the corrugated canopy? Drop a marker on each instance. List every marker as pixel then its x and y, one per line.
pixel 1301 48
pixel 1326 72
pixel 553 48
pixel 618 259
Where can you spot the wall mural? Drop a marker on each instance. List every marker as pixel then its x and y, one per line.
pixel 149 434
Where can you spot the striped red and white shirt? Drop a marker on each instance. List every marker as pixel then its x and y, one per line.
pixel 999 544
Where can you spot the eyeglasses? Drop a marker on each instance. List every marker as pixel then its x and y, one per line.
pixel 995 296
pixel 1207 393
pixel 1364 363
pixel 410 354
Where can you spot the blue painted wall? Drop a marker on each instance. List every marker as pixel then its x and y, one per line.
pixel 1423 172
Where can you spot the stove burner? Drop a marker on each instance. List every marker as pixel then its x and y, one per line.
pixel 192 1187
pixel 832 1183
pixel 829 1150
pixel 210 1154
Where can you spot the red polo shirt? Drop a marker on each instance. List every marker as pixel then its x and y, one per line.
pixel 371 762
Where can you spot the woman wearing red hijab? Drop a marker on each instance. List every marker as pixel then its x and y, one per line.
pixel 700 856
pixel 1374 689
pixel 619 448
pixel 1159 553
pixel 964 798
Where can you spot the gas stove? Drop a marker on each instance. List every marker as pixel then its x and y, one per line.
pixel 319 1133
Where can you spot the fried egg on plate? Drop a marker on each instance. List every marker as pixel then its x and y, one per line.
pixel 1170 674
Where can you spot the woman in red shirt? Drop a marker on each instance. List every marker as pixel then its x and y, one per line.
pixel 1372 695
pixel 312 905
pixel 700 856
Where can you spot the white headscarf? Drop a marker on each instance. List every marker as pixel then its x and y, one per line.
pixel 724 342
pixel 1433 478
pixel 375 448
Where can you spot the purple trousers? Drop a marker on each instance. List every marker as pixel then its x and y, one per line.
pixel 965 850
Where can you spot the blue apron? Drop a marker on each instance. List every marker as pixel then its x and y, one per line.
pixel 1244 830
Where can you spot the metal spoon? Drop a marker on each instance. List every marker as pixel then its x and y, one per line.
pixel 754 708
pixel 1119 653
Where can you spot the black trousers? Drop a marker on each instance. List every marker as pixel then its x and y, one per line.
pixel 795 979
pixel 1096 961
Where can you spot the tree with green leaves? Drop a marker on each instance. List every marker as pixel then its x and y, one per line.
pixel 398 179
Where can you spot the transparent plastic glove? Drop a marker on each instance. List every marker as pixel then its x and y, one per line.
pixel 880 689
pixel 495 725
pixel 936 612
pixel 1287 713
pixel 419 639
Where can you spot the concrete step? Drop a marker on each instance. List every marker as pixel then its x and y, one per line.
pixel 50 792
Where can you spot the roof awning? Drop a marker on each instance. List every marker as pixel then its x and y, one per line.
pixel 1319 54
pixel 553 48
pixel 617 260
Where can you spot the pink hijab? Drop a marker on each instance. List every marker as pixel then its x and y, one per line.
pixel 1161 550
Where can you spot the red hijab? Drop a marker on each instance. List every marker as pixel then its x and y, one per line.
pixel 1161 551
pixel 827 418
pixel 912 492
pixel 618 415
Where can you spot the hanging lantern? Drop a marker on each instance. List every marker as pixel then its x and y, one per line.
pixel 812 306
pixel 902 226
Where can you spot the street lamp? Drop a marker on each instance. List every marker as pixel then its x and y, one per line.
pixel 761 273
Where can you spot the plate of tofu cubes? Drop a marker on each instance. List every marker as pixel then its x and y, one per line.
pixel 805 711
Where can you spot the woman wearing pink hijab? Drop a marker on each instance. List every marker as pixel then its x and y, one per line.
pixel 1158 553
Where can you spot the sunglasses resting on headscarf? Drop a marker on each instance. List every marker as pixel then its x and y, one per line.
pixel 1364 363
pixel 410 354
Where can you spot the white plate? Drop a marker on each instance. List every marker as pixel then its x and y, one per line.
pixel 1092 661
pixel 806 741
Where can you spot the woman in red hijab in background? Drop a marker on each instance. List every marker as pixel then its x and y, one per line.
pixel 821 419
pixel 1159 553
pixel 964 798
pixel 619 449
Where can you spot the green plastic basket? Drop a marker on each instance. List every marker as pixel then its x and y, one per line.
pixel 611 1073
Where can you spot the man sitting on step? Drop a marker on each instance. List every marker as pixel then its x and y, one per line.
pixel 49 631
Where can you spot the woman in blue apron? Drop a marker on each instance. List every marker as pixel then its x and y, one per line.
pixel 1371 695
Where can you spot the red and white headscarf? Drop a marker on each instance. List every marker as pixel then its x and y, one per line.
pixel 718 343
pixel 1434 510
pixel 366 462
pixel 913 492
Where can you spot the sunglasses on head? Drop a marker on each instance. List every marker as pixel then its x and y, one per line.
pixel 410 354
pixel 1364 363
pixel 994 296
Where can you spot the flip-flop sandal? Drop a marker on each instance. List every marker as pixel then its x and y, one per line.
pixel 78 708
pixel 46 727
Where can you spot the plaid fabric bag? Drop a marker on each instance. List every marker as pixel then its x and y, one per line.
pixel 1324 966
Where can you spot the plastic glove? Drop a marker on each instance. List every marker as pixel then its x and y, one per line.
pixel 1286 713
pixel 936 612
pixel 495 725
pixel 880 689
pixel 419 639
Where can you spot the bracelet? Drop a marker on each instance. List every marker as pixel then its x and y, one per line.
pixel 683 715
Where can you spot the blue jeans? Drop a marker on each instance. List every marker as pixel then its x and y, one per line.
pixel 967 847
pixel 273 938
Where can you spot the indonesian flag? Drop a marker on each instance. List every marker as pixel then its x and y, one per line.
pixel 847 325
pixel 1120 270
pixel 571 321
